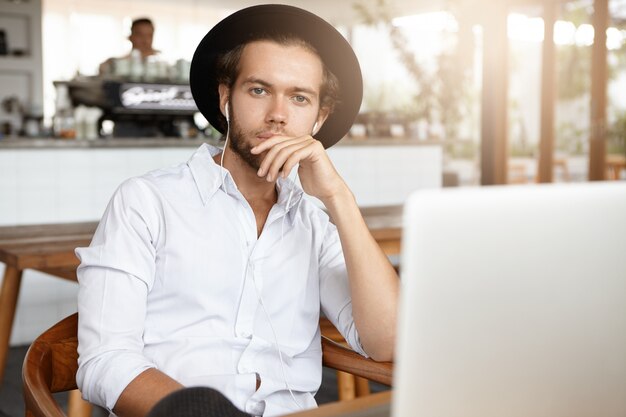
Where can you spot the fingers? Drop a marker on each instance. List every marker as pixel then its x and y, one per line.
pixel 269 143
pixel 282 160
pixel 282 155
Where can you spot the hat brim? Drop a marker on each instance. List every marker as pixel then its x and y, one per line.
pixel 247 24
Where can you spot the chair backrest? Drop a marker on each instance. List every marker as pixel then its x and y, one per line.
pixel 50 366
pixel 52 361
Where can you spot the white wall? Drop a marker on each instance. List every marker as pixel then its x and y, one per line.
pixel 66 185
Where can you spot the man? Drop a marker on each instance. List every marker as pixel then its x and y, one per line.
pixel 133 65
pixel 141 35
pixel 213 272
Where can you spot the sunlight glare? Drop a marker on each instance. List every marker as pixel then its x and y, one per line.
pixel 614 38
pixel 584 35
pixel 564 33
pixel 428 22
pixel 523 28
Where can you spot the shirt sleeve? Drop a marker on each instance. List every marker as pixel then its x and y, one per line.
pixel 335 295
pixel 115 275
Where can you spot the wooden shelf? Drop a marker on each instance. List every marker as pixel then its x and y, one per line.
pixel 14 63
pixel 24 7
pixel 22 75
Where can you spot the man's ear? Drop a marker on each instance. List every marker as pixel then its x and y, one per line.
pixel 322 115
pixel 224 92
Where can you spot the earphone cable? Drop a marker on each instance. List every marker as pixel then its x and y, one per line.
pixel 280 353
pixel 222 174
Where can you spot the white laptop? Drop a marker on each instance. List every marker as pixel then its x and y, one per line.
pixel 513 303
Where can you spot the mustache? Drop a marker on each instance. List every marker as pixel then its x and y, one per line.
pixel 274 130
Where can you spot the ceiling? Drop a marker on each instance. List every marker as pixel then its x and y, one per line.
pixel 343 11
pixel 335 11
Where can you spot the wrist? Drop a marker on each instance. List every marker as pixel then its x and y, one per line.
pixel 339 201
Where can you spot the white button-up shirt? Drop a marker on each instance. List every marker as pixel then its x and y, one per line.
pixel 176 279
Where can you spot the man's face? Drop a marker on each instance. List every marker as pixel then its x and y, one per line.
pixel 276 93
pixel 141 37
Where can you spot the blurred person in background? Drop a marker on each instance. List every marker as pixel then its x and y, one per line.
pixel 133 67
pixel 141 35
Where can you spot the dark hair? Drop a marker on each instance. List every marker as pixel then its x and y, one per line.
pixel 227 68
pixel 141 21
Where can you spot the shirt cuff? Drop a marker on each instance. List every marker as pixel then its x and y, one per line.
pixel 102 379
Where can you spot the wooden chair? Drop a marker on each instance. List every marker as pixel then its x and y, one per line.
pixel 51 363
pixel 349 386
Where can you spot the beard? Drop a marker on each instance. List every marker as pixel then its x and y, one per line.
pixel 238 144
pixel 241 147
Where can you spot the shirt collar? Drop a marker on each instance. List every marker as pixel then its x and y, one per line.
pixel 208 175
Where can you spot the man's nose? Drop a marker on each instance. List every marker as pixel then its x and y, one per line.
pixel 277 113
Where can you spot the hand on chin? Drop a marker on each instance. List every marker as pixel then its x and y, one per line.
pixel 282 153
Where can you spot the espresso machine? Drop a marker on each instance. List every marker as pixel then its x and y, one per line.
pixel 137 108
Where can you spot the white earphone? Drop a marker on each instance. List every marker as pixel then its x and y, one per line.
pixel 314 129
pixel 226 141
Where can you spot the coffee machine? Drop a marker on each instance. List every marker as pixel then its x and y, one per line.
pixel 137 109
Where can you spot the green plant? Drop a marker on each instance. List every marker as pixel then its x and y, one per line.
pixel 442 94
pixel 616 143
pixel 461 149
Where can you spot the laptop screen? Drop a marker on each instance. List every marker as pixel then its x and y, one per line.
pixel 513 302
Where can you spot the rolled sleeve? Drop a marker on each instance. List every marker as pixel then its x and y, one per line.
pixel 115 275
pixel 335 295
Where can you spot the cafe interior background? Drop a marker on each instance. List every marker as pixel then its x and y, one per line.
pixel 457 93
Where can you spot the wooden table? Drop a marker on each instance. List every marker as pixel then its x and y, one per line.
pixel 376 405
pixel 50 249
pixel 614 166
pixel 46 248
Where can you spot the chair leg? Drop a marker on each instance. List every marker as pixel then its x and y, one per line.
pixel 76 406
pixel 345 386
pixel 8 301
pixel 362 387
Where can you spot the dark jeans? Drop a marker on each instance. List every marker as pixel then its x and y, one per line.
pixel 196 402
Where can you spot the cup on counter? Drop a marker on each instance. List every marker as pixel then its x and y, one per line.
pixel 162 69
pixel 151 68
pixel 358 130
pixel 182 70
pixel 86 119
pixel 136 65
pixel 121 67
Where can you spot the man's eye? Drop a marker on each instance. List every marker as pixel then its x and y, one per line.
pixel 258 91
pixel 300 99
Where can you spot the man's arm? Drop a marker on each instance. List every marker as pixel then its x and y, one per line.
pixel 115 275
pixel 374 284
pixel 144 392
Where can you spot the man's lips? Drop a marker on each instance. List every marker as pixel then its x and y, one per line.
pixel 267 135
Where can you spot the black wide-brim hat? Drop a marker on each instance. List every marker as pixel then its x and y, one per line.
pixel 248 24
